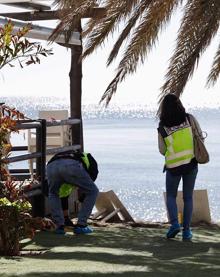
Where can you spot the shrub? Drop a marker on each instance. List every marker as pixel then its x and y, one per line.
pixel 16 221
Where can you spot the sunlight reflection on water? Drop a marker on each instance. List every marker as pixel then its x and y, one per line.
pixel 130 164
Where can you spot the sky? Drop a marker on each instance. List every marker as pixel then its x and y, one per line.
pixel 50 78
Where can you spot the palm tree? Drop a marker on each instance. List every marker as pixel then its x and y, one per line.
pixel 142 21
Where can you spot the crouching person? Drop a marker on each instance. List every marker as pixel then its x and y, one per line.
pixel 65 171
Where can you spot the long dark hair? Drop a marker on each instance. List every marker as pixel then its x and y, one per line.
pixel 172 111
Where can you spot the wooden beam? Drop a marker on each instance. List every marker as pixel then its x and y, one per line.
pixel 51 15
pixel 13 1
pixel 43 33
pixel 29 6
pixel 50 151
pixel 23 125
pixel 75 75
pixel 32 16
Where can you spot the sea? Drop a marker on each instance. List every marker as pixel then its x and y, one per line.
pixel 123 139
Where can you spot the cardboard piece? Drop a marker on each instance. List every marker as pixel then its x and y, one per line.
pixel 201 210
pixel 110 208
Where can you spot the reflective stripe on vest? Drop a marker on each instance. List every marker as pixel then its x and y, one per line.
pixel 180 148
pixel 85 160
pixel 66 189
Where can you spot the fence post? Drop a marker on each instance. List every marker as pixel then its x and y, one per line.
pixel 38 201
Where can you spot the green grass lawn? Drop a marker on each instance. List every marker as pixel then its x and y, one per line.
pixel 121 252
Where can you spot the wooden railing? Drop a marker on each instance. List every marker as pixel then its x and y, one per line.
pixel 27 124
pixel 41 126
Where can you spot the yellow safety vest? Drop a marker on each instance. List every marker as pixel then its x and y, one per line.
pixel 66 189
pixel 179 146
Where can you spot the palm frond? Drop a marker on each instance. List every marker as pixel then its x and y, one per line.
pixel 215 71
pixel 138 11
pixel 142 41
pixel 71 12
pixel 199 25
pixel 143 20
pixel 89 26
pixel 111 89
pixel 115 12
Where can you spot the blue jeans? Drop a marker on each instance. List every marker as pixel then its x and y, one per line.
pixel 71 172
pixel 172 183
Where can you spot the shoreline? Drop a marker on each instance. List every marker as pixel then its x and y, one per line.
pixel 149 224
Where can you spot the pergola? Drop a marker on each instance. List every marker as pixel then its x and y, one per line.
pixel 42 10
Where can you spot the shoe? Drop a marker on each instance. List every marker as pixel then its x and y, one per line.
pixel 60 230
pixel 79 229
pixel 173 231
pixel 68 222
pixel 187 234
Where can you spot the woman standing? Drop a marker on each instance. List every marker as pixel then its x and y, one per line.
pixel 175 140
